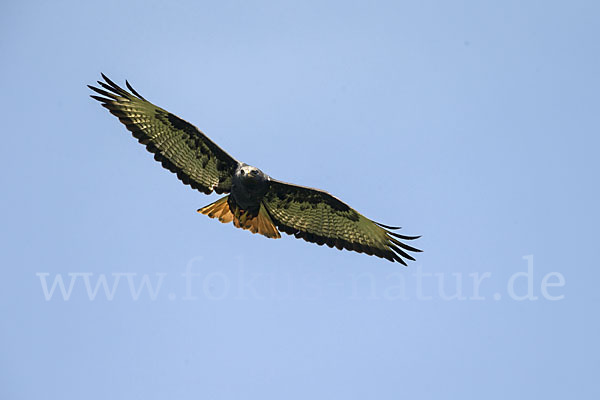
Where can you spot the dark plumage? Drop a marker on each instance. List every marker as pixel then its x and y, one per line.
pixel 256 202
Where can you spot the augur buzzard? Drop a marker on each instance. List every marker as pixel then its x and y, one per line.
pixel 256 201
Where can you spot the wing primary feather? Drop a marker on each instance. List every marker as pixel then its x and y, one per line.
pixel 388 257
pixel 115 89
pixel 100 99
pixel 113 86
pixel 404 237
pixel 133 90
pixel 405 246
pixel 104 92
pixel 387 226
pixel 401 252
pixel 400 260
pixel 107 80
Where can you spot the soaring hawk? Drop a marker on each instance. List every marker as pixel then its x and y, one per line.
pixel 256 201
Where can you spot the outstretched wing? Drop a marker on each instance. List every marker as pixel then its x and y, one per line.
pixel 178 145
pixel 318 217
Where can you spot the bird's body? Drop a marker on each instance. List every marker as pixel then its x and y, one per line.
pixel 249 186
pixel 256 202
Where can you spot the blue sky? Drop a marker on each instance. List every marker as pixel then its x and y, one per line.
pixel 474 124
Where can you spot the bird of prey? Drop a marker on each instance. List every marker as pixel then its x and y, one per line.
pixel 255 201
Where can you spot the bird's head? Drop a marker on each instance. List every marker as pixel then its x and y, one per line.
pixel 249 173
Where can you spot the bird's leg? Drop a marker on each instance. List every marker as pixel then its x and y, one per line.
pixel 243 217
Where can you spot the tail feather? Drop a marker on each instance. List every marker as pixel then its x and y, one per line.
pixel 219 209
pixel 260 223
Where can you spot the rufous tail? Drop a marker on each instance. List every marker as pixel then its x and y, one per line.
pixel 260 223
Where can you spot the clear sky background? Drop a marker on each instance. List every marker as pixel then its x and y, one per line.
pixel 472 123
